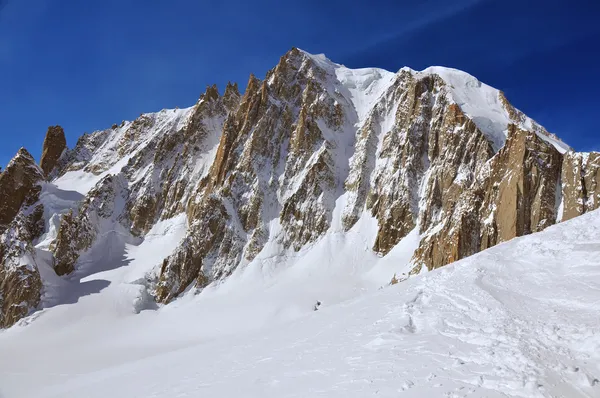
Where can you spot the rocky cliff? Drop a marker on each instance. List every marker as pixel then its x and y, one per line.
pixel 55 144
pixel 21 223
pixel 312 149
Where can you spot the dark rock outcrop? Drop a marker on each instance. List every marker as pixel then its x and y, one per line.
pixel 55 145
pixel 580 184
pixel 18 186
pixel 301 153
pixel 21 222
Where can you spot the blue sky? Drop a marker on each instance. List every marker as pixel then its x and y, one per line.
pixel 88 64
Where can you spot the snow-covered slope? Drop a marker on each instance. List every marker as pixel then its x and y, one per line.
pixel 517 320
pixel 174 254
pixel 113 148
pixel 362 86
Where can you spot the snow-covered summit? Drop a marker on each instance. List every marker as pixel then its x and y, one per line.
pixel 486 105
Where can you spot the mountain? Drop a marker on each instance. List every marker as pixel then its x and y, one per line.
pixel 416 169
pixel 517 320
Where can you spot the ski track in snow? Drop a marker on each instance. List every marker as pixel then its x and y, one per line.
pixel 518 320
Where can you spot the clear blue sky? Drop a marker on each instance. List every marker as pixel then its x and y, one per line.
pixel 88 64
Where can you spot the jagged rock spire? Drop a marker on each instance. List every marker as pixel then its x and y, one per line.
pixel 400 147
pixel 231 97
pixel 21 222
pixel 231 89
pixel 17 184
pixel 54 145
pixel 211 93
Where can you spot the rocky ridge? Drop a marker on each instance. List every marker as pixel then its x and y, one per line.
pixel 312 148
pixel 21 223
pixel 55 145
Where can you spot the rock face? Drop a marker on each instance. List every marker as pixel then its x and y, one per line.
pixel 55 144
pixel 311 150
pixel 78 232
pixel 21 223
pixel 520 193
pixel 18 186
pixel 513 195
pixel 580 184
pixel 276 159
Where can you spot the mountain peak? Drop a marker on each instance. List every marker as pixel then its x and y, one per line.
pixel 55 144
pixel 18 184
pixel 211 93
pixel 22 156
pixel 486 105
pixel 321 59
pixel 409 161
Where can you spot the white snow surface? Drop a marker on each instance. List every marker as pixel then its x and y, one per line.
pixel 518 320
pixel 478 100
pixel 483 105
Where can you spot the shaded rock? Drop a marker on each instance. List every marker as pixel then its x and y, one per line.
pixel 272 161
pixel 78 231
pixel 580 184
pixel 520 194
pixel 18 186
pixel 55 144
pixel 23 223
pixel 311 149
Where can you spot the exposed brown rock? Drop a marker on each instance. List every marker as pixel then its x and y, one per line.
pixel 434 170
pixel 20 291
pixel 211 94
pixel 520 193
pixel 185 266
pixel 262 138
pixel 580 184
pixel 55 144
pixel 74 236
pixel 20 283
pixel 515 115
pixel 173 159
pixel 18 186
pixel 270 166
pixel 449 221
pixel 231 97
pixel 304 218
pixel 515 196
